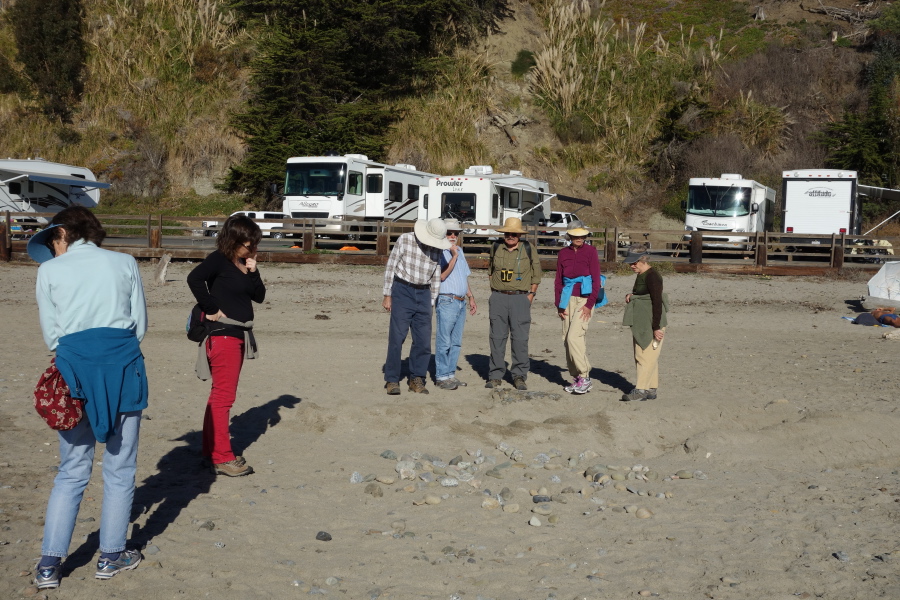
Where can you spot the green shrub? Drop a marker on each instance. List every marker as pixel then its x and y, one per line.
pixel 523 63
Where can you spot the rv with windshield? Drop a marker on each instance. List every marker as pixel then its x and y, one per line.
pixel 352 188
pixel 480 196
pixel 728 205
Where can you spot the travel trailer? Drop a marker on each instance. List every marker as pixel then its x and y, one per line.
pixel 820 201
pixel 37 185
pixel 352 188
pixel 480 196
pixel 728 204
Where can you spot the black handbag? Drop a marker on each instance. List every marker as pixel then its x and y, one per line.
pixel 197 326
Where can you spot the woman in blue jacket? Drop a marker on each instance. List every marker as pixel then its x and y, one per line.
pixel 93 314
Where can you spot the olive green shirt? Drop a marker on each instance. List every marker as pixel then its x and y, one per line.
pixel 512 270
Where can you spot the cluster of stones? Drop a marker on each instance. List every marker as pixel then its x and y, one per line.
pixel 421 472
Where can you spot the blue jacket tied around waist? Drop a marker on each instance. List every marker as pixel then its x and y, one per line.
pixel 104 366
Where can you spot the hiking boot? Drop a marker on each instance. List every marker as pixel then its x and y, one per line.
pixel 519 383
pixel 636 394
pixel 207 462
pixel 584 387
pixel 447 384
pixel 493 383
pixel 651 394
pixel 570 388
pixel 233 468
pixel 393 388
pixel 47 578
pixel 127 560
pixel 417 385
pixel 458 382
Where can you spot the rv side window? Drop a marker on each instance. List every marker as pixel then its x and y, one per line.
pixel 514 199
pixel 15 188
pixel 425 201
pixel 412 192
pixel 495 207
pixel 30 186
pixel 355 184
pixel 395 191
pixel 374 184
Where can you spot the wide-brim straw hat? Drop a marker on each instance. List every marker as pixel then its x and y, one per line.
pixel 432 233
pixel 577 229
pixel 512 225
pixel 37 245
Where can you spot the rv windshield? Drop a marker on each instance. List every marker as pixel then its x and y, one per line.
pixel 458 206
pixel 314 179
pixel 718 201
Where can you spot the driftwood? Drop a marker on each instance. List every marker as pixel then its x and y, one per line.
pixel 161 268
pixel 851 16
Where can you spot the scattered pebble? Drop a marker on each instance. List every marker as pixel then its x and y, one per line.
pixel 841 556
pixel 643 513
pixel 323 536
pixel 534 522
pixel 374 490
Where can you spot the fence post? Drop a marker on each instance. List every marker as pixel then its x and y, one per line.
pixel 610 246
pixel 5 246
pixel 149 231
pixel 383 240
pixel 309 235
pixel 696 247
pixel 156 235
pixel 837 251
pixel 762 250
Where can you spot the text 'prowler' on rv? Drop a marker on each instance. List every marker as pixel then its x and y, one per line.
pixel 352 188
pixel 728 204
pixel 483 197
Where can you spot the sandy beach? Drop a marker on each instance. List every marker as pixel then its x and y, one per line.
pixel 780 417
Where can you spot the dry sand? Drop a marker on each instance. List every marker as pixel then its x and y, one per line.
pixel 789 412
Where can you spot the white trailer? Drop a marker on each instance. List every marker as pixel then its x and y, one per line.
pixel 352 188
pixel 40 186
pixel 820 201
pixel 480 196
pixel 728 204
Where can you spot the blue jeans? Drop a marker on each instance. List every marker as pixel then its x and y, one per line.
pixel 76 458
pixel 410 311
pixel 451 318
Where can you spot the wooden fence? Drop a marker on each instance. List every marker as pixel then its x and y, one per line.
pixel 327 241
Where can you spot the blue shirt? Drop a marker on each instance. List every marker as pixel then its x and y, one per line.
pixel 457 282
pixel 86 288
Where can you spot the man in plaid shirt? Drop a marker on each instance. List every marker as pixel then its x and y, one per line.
pixel 412 280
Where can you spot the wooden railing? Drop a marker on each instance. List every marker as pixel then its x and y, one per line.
pixel 322 240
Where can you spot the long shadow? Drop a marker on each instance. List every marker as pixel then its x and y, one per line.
pixel 182 478
pixel 480 363
pixel 557 374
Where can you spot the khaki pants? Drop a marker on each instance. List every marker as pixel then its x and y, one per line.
pixel 574 329
pixel 646 360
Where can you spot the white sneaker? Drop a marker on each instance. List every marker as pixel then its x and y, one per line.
pixel 585 386
pixel 571 388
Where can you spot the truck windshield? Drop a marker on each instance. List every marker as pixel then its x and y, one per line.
pixel 458 206
pixel 314 179
pixel 718 201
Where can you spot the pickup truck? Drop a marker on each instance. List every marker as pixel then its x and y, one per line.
pixel 272 230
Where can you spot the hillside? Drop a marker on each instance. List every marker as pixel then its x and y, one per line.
pixel 165 76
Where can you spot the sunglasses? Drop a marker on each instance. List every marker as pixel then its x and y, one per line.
pixel 249 245
pixel 511 234
pixel 453 233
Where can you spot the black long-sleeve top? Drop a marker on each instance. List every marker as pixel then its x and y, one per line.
pixel 218 284
pixel 651 282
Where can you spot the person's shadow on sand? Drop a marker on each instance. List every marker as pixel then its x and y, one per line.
pixel 552 373
pixel 182 478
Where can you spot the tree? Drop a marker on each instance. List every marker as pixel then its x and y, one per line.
pixel 49 38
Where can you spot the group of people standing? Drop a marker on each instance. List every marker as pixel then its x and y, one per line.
pixel 93 315
pixel 427 269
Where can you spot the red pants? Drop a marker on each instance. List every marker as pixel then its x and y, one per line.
pixel 226 357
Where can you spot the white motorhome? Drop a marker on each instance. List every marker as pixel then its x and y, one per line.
pixel 820 201
pixel 352 188
pixel 728 204
pixel 480 196
pixel 40 186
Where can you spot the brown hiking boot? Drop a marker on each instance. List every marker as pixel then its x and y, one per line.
pixel 417 385
pixel 233 468
pixel 393 388
pixel 493 383
pixel 519 383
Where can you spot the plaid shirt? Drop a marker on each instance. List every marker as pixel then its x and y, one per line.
pixel 414 262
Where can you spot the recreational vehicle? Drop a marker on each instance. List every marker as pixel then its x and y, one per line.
pixel 820 201
pixel 40 186
pixel 728 204
pixel 352 188
pixel 480 196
